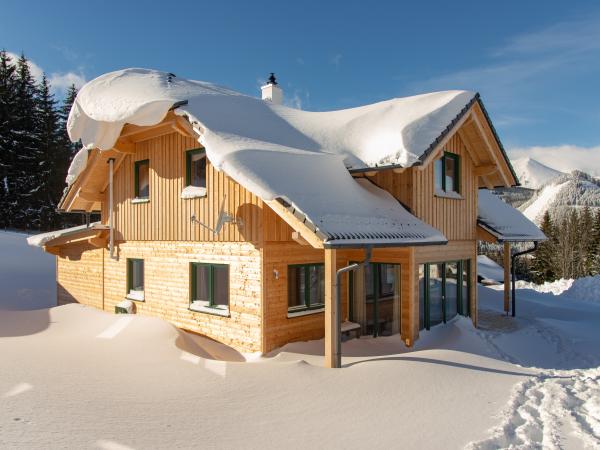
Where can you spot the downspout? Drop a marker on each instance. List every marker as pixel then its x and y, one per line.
pixel 337 349
pixel 111 243
pixel 514 276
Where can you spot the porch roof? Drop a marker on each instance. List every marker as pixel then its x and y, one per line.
pixel 503 222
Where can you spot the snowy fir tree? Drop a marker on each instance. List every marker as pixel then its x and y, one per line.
pixel 35 151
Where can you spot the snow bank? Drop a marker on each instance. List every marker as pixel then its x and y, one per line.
pixel 586 288
pixel 504 221
pixel 279 152
pixel 77 165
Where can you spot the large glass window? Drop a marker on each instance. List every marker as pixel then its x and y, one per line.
pixel 447 173
pixel 195 168
pixel 306 287
pixel 451 289
pixel 210 287
pixel 465 304
pixel 436 306
pixel 142 179
pixel 135 279
pixel 443 292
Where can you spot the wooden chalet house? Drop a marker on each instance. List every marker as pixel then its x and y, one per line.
pixel 230 216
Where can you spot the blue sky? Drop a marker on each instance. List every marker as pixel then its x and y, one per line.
pixel 536 64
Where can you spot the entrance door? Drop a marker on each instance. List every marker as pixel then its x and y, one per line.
pixel 375 298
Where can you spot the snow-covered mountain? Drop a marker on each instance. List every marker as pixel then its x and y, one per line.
pixel 533 174
pixel 559 195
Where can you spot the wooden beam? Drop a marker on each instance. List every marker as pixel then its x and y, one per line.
pixel 52 250
pixel 98 242
pixel 91 196
pixel 486 169
pixel 399 169
pixel 486 181
pixel 124 146
pixel 371 173
pixel 299 239
pixel 308 234
pixel 485 235
pixel 506 276
pixel 184 127
pixel 332 331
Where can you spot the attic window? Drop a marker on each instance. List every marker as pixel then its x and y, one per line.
pixel 447 173
pixel 195 168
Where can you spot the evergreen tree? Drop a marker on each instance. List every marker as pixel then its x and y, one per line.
pixel 25 183
pixel 596 244
pixel 65 109
pixel 544 258
pixel 586 240
pixel 7 138
pixel 53 158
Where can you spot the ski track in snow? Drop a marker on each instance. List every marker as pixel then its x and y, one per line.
pixel 544 407
pixel 556 409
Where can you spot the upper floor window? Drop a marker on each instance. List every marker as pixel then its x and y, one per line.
pixel 447 173
pixel 142 179
pixel 195 168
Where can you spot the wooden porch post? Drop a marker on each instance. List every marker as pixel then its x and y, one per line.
pixel 506 276
pixel 332 331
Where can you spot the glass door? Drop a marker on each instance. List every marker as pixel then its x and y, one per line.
pixel 375 298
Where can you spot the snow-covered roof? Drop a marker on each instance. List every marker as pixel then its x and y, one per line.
pixel 280 152
pixel 40 240
pixel 505 222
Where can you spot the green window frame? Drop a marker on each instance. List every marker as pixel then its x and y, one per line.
pixel 211 288
pixel 440 171
pixel 461 265
pixel 188 165
pixel 131 262
pixel 137 166
pixel 309 303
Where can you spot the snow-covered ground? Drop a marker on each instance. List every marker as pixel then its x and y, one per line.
pixel 27 275
pixel 76 377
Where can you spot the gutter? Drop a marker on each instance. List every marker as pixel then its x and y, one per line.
pixel 337 344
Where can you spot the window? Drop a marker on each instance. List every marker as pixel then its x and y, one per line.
pixel 444 290
pixel 306 287
pixel 135 279
pixel 195 168
pixel 447 173
pixel 142 179
pixel 210 288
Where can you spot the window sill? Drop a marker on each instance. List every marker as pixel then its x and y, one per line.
pixel 451 195
pixel 209 310
pixel 140 200
pixel 191 192
pixel 135 296
pixel 304 312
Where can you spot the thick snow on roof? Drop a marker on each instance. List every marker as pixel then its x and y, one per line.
pixel 276 151
pixel 504 221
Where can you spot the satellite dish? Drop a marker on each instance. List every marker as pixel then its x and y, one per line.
pixel 223 218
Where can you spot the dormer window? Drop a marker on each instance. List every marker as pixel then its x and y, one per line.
pixel 447 174
pixel 195 174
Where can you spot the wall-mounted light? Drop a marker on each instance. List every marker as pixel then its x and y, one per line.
pixel 276 274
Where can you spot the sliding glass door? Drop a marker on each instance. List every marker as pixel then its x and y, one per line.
pixel 443 292
pixel 375 298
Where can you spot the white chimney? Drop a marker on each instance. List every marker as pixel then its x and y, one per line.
pixel 271 91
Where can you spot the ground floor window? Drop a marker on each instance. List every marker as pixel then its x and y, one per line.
pixel 375 298
pixel 135 279
pixel 443 291
pixel 209 287
pixel 306 287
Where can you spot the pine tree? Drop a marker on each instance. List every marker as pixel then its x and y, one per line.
pixel 53 158
pixel 586 240
pixel 596 244
pixel 7 138
pixel 65 109
pixel 544 258
pixel 25 210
